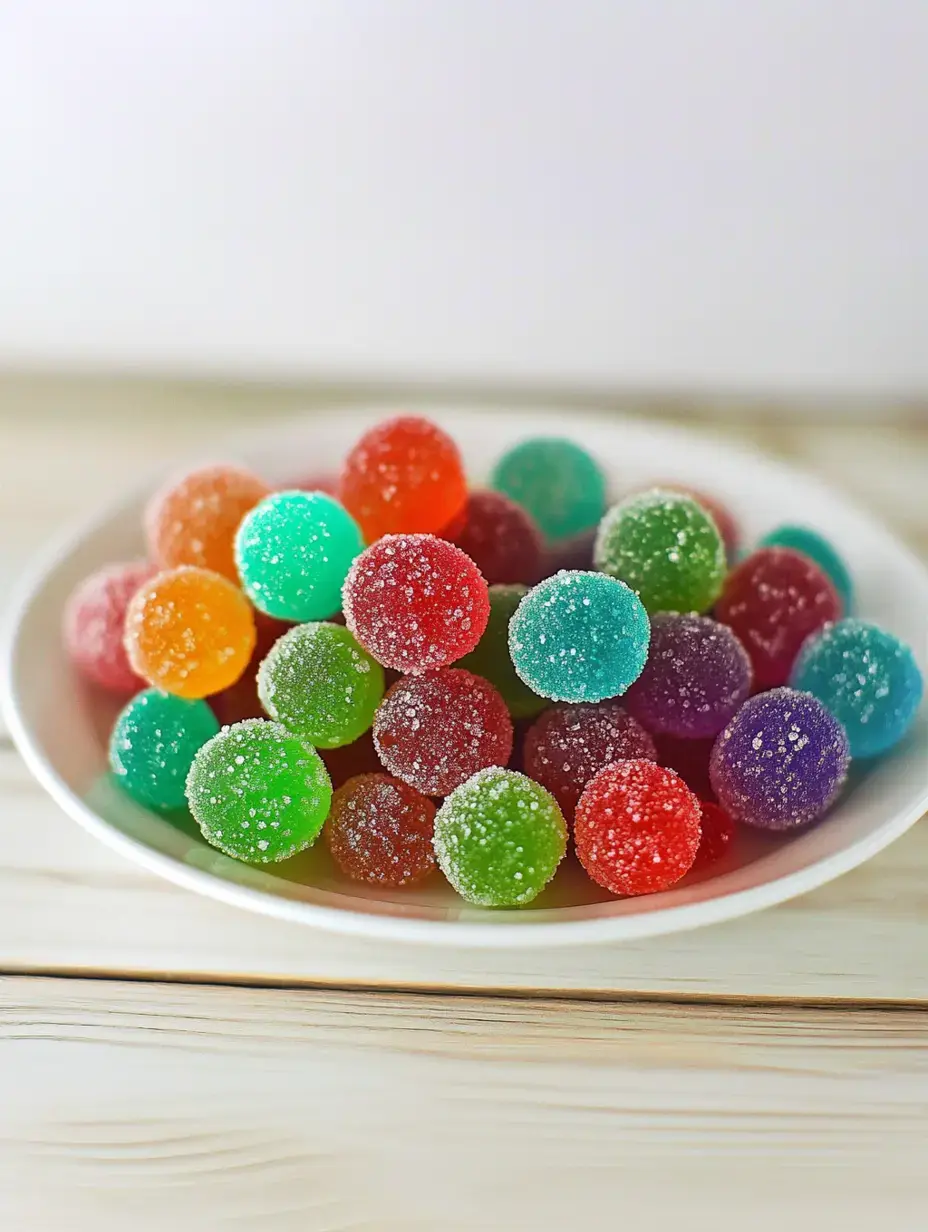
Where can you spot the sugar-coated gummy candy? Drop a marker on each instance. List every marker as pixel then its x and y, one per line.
pixel 380 831
pixel 774 599
pixel 570 743
pixel 719 835
pixel 666 547
pixel 696 677
pixel 637 828
pixel 404 476
pixel 780 762
pixel 258 792
pixel 153 744
pixel 490 658
pixel 189 631
pixel 867 678
pixel 240 700
pixel 415 602
pixel 436 730
pixel 319 683
pixel 579 637
pixel 193 520
pixel 293 552
pixel 94 625
pixel 814 545
pixel 500 537
pixel 721 515
pixel 557 481
pixel 499 838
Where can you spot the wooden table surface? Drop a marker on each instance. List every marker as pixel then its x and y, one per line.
pixel 167 1062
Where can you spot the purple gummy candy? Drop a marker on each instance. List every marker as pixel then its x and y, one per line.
pixel 696 677
pixel 780 762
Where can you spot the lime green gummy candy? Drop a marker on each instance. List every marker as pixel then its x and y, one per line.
pixel 259 793
pixel 499 838
pixel 153 744
pixel 319 683
pixel 667 548
pixel 491 659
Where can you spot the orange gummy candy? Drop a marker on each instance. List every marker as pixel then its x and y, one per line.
pixel 194 520
pixel 190 632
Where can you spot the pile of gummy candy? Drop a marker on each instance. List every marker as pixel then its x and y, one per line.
pixel 482 673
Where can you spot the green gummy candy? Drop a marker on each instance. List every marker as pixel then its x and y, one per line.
pixel 559 484
pixel 153 744
pixel 258 792
pixel 491 659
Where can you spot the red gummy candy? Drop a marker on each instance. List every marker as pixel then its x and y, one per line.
pixel 570 743
pixel 773 600
pixel 435 731
pixel 500 537
pixel 380 830
pixel 94 623
pixel 637 828
pixel 718 834
pixel 415 602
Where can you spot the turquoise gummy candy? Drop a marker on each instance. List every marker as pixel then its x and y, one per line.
pixel 867 678
pixel 153 744
pixel 499 838
pixel 666 547
pixel 318 682
pixel 810 543
pixel 293 552
pixel 490 659
pixel 259 793
pixel 556 481
pixel 579 637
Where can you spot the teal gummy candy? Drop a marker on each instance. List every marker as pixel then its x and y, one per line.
pixel 556 481
pixel 867 678
pixel 153 744
pixel 579 637
pixel 490 658
pixel 818 549
pixel 319 683
pixel 293 552
pixel 499 838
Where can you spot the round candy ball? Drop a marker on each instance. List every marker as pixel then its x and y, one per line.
pixel 193 520
pixel 867 678
pixel 810 543
pixel 94 624
pixel 499 838
pixel 189 631
pixel 258 792
pixel 319 683
pixel 579 637
pixel 773 600
pixel 637 828
pixel 721 515
pixel 434 731
pixel 490 658
pixel 569 744
pixel 153 744
pixel 696 677
pixel 415 602
pixel 666 547
pixel 780 762
pixel 380 831
pixel 404 476
pixel 500 537
pixel 293 552
pixel 556 481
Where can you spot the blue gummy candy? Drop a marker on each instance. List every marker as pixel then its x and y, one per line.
pixel 559 484
pixel 818 549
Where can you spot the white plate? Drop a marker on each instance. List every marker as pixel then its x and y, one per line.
pixel 60 726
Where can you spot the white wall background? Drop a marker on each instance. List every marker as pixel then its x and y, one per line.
pixel 709 194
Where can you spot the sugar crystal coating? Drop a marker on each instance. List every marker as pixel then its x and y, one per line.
pixel 415 602
pixel 721 515
pixel 579 637
pixel 637 828
pixel 500 537
pixel 557 481
pixel 153 744
pixel 780 762
pixel 490 657
pixel 380 831
pixel 436 730
pixel 666 547
pixel 570 743
pixel 696 677
pixel 867 678
pixel 319 683
pixel 499 838
pixel 293 552
pixel 819 549
pixel 259 793
pixel 94 624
